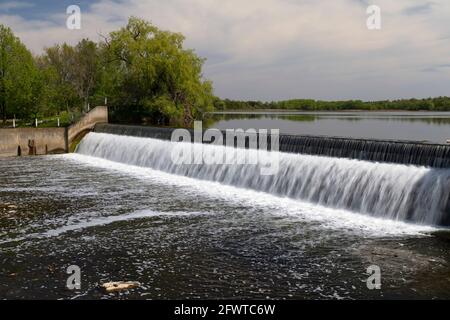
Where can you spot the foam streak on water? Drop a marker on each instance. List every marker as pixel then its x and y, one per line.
pixel 101 221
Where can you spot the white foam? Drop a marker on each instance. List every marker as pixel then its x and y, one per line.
pixel 83 224
pixel 273 205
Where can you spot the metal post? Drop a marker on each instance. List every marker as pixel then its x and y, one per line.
pixel 14 121
pixel 36 122
pixel 58 121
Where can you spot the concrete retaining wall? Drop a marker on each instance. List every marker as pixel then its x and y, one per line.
pixel 51 140
pixel 96 115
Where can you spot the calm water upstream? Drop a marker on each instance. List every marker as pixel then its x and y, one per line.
pixel 183 237
pixel 419 126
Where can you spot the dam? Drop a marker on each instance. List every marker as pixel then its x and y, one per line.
pixel 394 189
pixel 390 151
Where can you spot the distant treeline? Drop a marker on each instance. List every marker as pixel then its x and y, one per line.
pixel 429 104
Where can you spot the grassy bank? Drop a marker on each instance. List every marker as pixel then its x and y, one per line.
pixel 65 120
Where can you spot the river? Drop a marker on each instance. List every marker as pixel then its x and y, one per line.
pixel 119 211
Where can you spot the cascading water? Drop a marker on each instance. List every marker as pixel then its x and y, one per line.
pixel 391 151
pixel 398 192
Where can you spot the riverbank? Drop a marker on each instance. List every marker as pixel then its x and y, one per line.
pixel 431 104
pixel 39 141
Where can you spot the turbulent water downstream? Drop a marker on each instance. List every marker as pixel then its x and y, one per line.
pixel 121 210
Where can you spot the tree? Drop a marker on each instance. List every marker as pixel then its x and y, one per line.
pixel 17 70
pixel 85 69
pixel 154 73
pixel 57 66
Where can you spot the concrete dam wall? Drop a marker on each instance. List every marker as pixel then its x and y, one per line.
pixel 87 122
pixel 389 151
pixel 48 140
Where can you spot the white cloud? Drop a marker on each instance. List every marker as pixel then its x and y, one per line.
pixel 273 49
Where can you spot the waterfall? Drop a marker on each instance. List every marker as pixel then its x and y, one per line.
pixel 390 151
pixel 398 192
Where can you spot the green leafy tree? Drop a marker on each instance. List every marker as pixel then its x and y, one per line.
pixel 154 73
pixel 17 72
pixel 57 66
pixel 85 71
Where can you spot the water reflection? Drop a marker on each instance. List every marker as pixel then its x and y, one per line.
pixel 420 126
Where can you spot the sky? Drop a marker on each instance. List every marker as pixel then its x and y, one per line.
pixel 275 49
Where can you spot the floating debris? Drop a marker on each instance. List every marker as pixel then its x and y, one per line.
pixel 119 285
